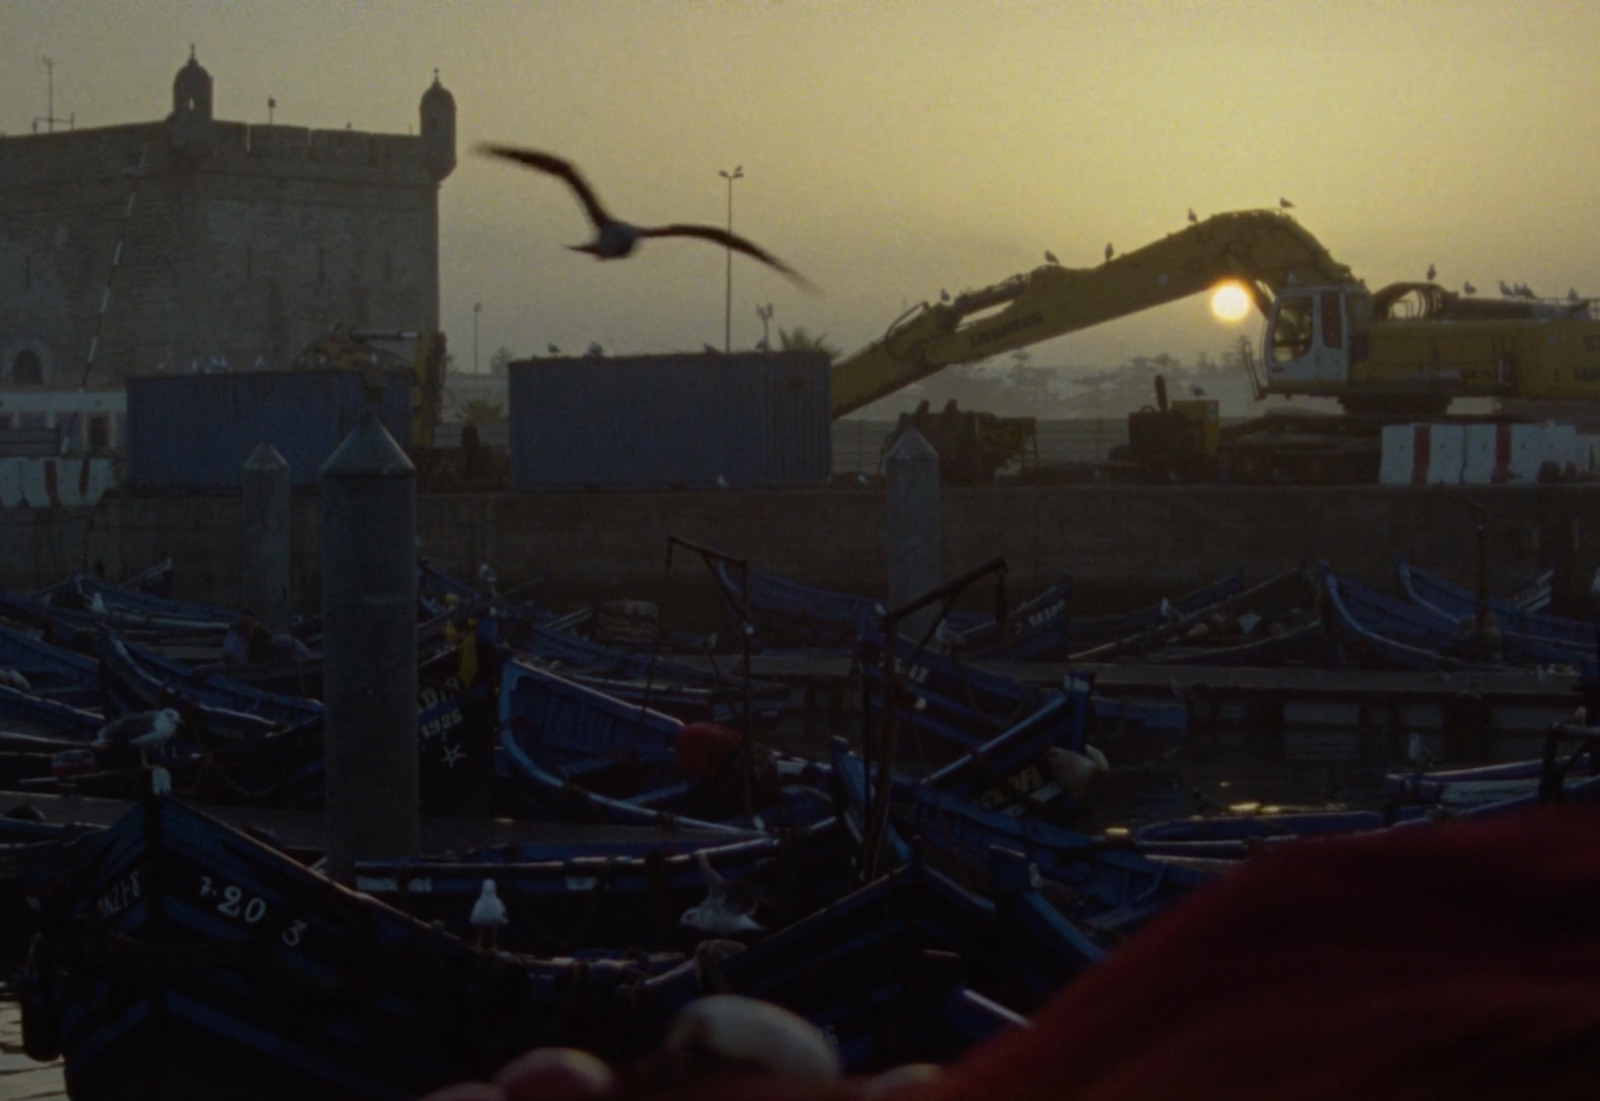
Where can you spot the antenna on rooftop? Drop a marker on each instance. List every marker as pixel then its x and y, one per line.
pixel 49 118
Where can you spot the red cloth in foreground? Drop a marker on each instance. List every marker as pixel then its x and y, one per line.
pixel 1458 961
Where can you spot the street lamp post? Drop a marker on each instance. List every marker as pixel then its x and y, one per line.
pixel 727 311
pixel 477 308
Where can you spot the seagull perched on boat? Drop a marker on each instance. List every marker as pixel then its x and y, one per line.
pixel 552 349
pixel 488 915
pixel 1417 753
pixel 141 730
pixel 1075 771
pixel 1050 258
pixel 487 576
pixel 1468 288
pixel 1192 219
pixel 1431 272
pixel 1285 203
pixel 1110 252
pixel 615 239
pixel 721 914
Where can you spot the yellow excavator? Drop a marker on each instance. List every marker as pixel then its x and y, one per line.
pixel 1402 352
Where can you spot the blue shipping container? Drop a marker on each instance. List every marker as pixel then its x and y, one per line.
pixel 747 421
pixel 194 432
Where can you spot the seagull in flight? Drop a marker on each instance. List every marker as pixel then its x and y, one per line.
pixel 615 239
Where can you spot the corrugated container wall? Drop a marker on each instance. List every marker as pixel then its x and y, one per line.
pixel 750 421
pixel 194 432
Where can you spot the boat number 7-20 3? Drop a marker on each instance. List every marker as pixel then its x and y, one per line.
pixel 231 900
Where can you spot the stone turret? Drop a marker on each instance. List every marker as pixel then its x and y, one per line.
pixel 190 123
pixel 439 129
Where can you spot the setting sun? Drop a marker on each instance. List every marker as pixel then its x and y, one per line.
pixel 1230 302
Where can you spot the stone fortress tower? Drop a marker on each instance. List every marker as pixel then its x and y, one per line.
pixel 196 244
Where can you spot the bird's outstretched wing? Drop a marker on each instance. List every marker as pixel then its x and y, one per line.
pixel 555 166
pixel 729 240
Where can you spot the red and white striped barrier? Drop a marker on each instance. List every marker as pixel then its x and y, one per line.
pixel 1479 454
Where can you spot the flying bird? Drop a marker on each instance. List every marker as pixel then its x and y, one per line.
pixel 488 915
pixel 722 913
pixel 615 239
pixel 1110 252
pixel 1285 203
pixel 1431 273
pixel 141 730
pixel 1192 219
pixel 1050 257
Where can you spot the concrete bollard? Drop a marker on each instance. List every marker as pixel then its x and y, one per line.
pixel 369 612
pixel 913 525
pixel 264 559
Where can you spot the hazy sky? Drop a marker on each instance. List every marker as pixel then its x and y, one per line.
pixel 891 149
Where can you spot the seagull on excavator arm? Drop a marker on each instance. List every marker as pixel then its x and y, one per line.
pixel 615 239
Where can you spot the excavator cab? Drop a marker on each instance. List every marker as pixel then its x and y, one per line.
pixel 1307 346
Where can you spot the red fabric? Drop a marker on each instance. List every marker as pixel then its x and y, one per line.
pixel 1460 961
pixel 702 750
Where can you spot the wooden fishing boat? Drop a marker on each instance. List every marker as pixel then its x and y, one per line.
pixel 582 897
pixel 948 706
pixel 573 753
pixel 180 958
pixel 1382 632
pixel 1524 637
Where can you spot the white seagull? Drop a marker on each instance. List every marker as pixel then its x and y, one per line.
pixel 720 914
pixel 1075 771
pixel 488 915
pixel 615 239
pixel 142 730
pixel 1417 754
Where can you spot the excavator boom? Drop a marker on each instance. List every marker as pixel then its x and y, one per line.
pixel 1264 250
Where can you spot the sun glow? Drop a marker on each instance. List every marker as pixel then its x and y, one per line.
pixel 1230 302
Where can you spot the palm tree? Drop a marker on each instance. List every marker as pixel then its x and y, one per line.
pixel 478 411
pixel 798 339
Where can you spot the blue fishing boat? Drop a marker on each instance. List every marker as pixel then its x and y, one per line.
pixel 179 958
pixel 947 706
pixel 51 670
pixel 1383 632
pixel 573 753
pixel 1523 637
pixel 581 897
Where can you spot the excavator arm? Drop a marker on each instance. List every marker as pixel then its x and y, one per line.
pixel 1264 250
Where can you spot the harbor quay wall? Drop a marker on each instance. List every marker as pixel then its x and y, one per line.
pixel 1123 545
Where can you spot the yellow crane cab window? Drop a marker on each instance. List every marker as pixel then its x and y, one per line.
pixel 1291 328
pixel 1332 320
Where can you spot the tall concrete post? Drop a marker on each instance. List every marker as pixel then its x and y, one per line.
pixel 913 525
pixel 264 561
pixel 369 613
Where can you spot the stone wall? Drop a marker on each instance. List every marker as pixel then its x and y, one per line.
pixel 1124 545
pixel 220 242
